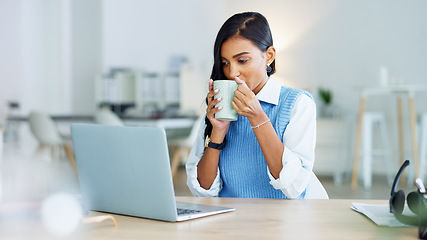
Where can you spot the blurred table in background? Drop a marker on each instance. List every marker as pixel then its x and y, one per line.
pixel 174 125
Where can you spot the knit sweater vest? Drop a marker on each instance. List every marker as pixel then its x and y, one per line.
pixel 242 164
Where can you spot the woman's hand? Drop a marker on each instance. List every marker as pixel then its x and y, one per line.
pixel 211 110
pixel 247 104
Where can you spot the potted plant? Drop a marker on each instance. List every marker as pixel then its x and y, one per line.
pixel 326 96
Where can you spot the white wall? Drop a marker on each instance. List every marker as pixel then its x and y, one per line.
pixel 10 71
pixel 335 44
pixel 332 43
pixel 51 54
pixel 86 56
pixel 342 44
pixel 144 34
pixel 31 67
pixel 42 53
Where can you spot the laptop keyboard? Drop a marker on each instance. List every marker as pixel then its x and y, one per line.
pixel 184 211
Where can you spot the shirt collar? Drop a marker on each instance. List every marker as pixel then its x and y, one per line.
pixel 270 93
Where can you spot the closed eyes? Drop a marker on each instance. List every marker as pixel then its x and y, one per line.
pixel 240 61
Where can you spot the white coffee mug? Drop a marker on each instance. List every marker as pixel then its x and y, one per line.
pixel 226 92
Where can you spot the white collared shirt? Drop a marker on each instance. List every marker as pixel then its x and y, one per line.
pixel 299 140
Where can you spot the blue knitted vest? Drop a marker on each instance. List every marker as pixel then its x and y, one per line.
pixel 242 164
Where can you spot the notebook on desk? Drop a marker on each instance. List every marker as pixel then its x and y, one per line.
pixel 126 170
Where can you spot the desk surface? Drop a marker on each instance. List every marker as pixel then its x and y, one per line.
pixel 252 219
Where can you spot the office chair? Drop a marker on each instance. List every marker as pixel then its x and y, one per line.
pixel 107 117
pixel 315 189
pixel 46 132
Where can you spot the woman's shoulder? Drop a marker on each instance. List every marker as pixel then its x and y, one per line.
pixel 293 93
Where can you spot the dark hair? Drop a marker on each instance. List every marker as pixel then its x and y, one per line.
pixel 249 25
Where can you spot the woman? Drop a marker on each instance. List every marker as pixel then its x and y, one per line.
pixel 269 151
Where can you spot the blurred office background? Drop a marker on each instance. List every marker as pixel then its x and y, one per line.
pixel 152 59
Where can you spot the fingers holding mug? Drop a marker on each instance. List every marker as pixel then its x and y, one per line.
pixel 211 109
pixel 211 94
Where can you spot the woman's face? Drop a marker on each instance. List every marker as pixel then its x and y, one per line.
pixel 241 58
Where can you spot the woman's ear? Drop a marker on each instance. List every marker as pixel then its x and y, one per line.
pixel 271 54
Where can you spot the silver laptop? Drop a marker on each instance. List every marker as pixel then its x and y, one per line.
pixel 126 170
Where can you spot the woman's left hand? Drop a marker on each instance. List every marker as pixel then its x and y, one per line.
pixel 246 103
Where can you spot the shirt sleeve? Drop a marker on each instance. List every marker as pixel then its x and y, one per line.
pixel 299 140
pixel 191 168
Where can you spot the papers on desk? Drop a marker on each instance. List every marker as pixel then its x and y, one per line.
pixel 380 214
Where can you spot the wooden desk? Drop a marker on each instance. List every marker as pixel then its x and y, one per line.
pixel 252 219
pixel 399 90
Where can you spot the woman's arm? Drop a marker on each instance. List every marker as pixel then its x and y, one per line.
pixel 247 104
pixel 208 166
pixel 289 163
pixel 207 170
pixel 271 146
pixel 298 156
pixel 192 168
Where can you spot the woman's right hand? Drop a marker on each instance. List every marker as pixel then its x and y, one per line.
pixel 208 165
pixel 218 125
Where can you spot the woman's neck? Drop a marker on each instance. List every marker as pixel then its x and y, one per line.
pixel 261 85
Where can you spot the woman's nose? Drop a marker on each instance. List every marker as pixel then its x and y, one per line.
pixel 234 71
